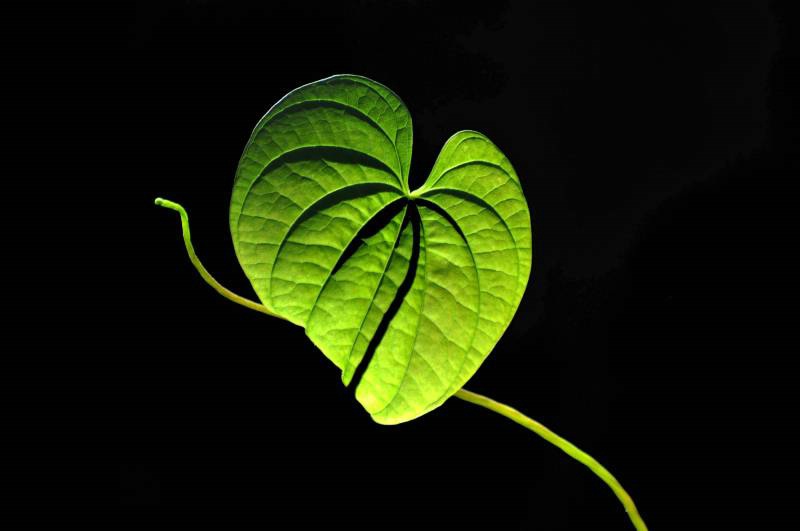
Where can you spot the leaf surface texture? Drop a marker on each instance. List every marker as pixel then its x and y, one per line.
pixel 407 292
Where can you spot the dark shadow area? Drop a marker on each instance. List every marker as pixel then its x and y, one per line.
pixel 348 109
pixel 353 191
pixel 373 226
pixel 329 153
pixel 412 218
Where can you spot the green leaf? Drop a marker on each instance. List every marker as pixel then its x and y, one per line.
pixel 406 292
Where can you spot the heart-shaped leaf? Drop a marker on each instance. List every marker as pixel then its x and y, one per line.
pixel 406 292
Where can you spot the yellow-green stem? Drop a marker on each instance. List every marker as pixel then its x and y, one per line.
pixel 474 398
pixel 566 446
pixel 187 239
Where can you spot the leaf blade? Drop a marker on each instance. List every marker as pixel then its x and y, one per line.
pixel 415 301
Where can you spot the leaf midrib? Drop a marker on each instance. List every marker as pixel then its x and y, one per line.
pixel 419 318
pixel 375 291
pixel 450 219
pixel 455 225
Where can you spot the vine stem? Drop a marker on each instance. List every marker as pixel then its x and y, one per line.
pixel 563 444
pixel 211 281
pixel 468 396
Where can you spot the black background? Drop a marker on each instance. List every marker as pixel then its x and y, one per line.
pixel 656 143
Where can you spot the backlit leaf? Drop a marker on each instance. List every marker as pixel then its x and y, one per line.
pixel 406 292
